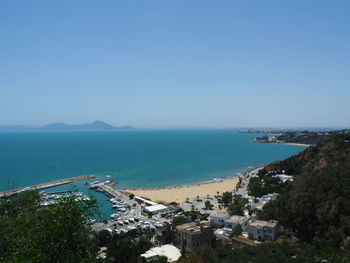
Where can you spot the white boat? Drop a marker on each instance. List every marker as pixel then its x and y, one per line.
pixel 114 215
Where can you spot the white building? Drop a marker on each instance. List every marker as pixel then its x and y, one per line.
pixel 270 197
pixel 144 201
pixel 263 230
pixel 169 251
pixel 156 209
pixel 218 217
pixel 284 177
pixel 233 221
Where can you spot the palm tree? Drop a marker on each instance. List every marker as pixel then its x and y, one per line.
pixel 192 207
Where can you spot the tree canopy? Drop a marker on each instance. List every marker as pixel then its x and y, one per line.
pixel 317 207
pixel 57 233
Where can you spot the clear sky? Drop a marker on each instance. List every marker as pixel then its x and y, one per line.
pixel 176 64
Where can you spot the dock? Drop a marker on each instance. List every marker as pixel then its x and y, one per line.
pixel 107 188
pixel 48 184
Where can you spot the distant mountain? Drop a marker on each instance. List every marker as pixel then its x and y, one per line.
pixel 59 126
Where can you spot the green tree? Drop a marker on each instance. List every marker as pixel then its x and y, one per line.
pixel 57 233
pixel 159 259
pixel 226 198
pixel 121 249
pixel 238 205
pixel 237 230
pixel 104 237
pixel 317 207
pixel 208 205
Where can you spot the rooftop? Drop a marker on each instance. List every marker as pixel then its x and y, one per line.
pixel 191 227
pixel 154 208
pixel 237 219
pixel 170 251
pixel 270 223
pixel 220 213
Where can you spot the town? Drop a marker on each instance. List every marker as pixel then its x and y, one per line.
pixel 176 229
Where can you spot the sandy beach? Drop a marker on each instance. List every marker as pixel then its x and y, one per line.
pixel 297 144
pixel 179 194
pixel 286 143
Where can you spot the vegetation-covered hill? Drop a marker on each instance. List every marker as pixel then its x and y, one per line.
pixel 316 206
pixel 332 153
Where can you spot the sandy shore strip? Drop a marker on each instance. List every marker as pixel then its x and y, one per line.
pixel 297 144
pixel 179 194
pixel 286 143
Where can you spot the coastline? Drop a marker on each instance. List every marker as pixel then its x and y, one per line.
pixel 285 143
pixel 180 193
pixel 297 144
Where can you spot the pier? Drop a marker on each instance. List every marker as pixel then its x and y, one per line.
pixel 48 184
pixel 107 188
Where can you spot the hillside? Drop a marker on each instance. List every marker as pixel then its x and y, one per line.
pixel 93 126
pixel 334 152
pixel 316 206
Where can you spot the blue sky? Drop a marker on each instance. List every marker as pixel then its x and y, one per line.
pixel 176 64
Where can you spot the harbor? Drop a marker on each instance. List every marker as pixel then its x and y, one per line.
pixel 47 185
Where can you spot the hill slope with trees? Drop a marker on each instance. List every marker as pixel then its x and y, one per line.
pixel 332 153
pixel 316 206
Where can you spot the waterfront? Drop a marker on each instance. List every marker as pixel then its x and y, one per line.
pixel 136 159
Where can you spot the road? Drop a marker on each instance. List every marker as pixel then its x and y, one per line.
pixel 243 190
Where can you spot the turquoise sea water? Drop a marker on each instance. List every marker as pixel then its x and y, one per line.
pixel 136 159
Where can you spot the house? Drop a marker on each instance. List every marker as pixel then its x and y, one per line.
pixel 263 230
pixel 218 217
pixel 190 236
pixel 233 221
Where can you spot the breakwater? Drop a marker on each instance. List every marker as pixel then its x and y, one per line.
pixel 48 184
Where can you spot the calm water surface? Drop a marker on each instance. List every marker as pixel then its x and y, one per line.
pixel 134 158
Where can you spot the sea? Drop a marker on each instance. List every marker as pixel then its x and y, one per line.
pixel 136 159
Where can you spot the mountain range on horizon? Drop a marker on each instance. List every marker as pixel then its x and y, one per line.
pixel 60 126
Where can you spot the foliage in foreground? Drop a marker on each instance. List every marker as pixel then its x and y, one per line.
pixel 57 233
pixel 267 253
pixel 60 233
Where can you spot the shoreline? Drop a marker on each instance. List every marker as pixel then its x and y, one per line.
pixel 285 143
pixel 179 194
